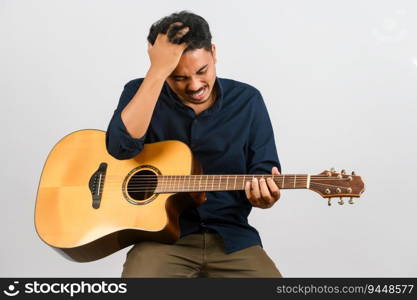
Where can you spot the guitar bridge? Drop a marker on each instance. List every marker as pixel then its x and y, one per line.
pixel 96 184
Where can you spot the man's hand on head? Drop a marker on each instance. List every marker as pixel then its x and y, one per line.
pixel 167 49
pixel 263 193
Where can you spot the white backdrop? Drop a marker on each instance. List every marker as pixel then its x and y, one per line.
pixel 340 82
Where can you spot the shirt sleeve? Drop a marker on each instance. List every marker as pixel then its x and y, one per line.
pixel 262 152
pixel 119 143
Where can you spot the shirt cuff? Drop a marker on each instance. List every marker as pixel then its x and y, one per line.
pixel 120 143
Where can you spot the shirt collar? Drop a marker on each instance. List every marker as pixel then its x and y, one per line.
pixel 173 99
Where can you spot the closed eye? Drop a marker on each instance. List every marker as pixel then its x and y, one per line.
pixel 201 71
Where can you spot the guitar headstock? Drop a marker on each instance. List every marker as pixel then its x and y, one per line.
pixel 330 183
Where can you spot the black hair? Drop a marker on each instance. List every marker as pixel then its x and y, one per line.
pixel 197 37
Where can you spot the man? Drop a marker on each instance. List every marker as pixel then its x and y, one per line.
pixel 227 127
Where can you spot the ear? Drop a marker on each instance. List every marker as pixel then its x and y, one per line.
pixel 213 52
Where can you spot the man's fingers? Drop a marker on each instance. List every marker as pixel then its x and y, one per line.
pixel 255 188
pixel 174 25
pixel 182 32
pixel 261 193
pixel 176 32
pixel 247 190
pixel 265 195
pixel 273 188
pixel 160 37
pixel 249 194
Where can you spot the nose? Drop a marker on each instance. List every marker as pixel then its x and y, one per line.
pixel 193 85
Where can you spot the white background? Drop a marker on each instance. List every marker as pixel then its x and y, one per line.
pixel 340 82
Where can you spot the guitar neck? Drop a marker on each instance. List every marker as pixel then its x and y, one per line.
pixel 204 183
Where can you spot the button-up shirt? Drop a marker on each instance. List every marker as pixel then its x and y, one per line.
pixel 233 136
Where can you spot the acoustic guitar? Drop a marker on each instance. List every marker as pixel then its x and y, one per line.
pixel 90 205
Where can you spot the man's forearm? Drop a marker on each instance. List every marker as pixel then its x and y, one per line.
pixel 137 114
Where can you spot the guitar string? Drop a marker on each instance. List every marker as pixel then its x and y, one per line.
pixel 211 181
pixel 216 180
pixel 231 175
pixel 146 188
pixel 218 177
pixel 230 178
pixel 218 183
pixel 173 180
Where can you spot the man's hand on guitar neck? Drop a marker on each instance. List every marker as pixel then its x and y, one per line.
pixel 263 193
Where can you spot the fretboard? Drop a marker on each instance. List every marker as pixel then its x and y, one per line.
pixel 203 183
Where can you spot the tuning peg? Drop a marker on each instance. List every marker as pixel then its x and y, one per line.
pixel 351 200
pixel 329 203
pixel 353 173
pixel 332 169
pixel 343 172
pixel 341 202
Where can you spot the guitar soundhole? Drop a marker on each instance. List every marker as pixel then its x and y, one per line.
pixel 141 185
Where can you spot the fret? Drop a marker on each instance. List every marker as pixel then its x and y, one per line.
pixel 199 184
pixel 220 180
pixel 194 182
pixel 234 186
pixel 164 185
pixel 204 186
pixel 308 182
pixel 295 180
pixel 227 180
pixel 182 182
pixel 212 182
pixel 283 179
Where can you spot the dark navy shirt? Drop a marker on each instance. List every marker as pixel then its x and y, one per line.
pixel 233 136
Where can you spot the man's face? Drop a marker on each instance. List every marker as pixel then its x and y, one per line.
pixel 194 77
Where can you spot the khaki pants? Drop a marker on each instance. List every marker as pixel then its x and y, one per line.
pixel 197 255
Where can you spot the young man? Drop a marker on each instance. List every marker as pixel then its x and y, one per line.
pixel 226 125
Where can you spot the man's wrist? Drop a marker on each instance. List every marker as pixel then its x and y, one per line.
pixel 157 73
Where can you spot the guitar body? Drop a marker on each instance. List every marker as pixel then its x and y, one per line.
pixel 86 218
